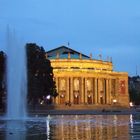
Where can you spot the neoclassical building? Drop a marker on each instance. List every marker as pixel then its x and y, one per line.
pixel 80 79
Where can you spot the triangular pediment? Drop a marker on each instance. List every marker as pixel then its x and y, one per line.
pixel 64 52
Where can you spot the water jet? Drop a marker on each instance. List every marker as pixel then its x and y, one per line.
pixel 16 77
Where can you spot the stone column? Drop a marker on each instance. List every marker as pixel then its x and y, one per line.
pixel 67 89
pixel 82 91
pixel 85 85
pixel 109 95
pixel 96 91
pixel 71 89
pixel 80 86
pixel 92 91
pixel 57 88
pixel 103 90
pixel 99 89
pixel 107 92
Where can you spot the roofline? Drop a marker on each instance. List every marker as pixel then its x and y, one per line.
pixel 68 49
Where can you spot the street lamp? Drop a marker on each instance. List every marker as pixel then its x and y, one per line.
pixel 131 104
pixel 114 101
pixel 48 97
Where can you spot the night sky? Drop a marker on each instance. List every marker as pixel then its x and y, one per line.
pixel 107 27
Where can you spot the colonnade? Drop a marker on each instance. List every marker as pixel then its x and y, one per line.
pixel 86 90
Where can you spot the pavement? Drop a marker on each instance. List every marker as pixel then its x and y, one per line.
pixel 80 110
pixel 84 112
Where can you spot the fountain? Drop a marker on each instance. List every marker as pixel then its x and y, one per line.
pixel 16 124
pixel 16 78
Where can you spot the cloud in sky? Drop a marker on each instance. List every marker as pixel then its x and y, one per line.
pixel 91 26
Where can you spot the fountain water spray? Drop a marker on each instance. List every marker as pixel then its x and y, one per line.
pixel 16 77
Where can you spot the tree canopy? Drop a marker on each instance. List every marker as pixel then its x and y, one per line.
pixel 40 73
pixel 2 69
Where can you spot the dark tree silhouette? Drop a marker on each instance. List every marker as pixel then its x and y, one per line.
pixel 2 71
pixel 40 73
pixel 134 89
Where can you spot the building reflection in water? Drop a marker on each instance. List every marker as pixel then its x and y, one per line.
pixel 135 127
pixel 74 127
pixel 86 127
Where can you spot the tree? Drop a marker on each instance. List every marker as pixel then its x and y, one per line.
pixel 40 73
pixel 134 89
pixel 2 71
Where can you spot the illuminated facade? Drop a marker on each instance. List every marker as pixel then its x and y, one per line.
pixel 83 80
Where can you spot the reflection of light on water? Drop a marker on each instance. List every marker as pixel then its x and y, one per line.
pixel 131 121
pixel 76 116
pixel 115 120
pixel 115 125
pixel 62 127
pixel 76 127
pixel 88 126
pixel 48 127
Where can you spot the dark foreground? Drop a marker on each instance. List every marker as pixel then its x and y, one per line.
pixel 83 110
pixel 80 110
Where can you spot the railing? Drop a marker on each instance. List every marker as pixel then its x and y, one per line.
pixel 81 70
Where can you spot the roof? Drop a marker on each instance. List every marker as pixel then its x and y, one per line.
pixel 64 52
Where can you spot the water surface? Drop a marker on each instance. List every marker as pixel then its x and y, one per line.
pixel 73 127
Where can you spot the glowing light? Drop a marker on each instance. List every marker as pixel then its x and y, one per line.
pixel 131 104
pixel 114 101
pixel 62 95
pixel 42 102
pixel 76 95
pixel 48 97
pixel 89 95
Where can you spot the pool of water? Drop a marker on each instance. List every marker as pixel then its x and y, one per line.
pixel 72 127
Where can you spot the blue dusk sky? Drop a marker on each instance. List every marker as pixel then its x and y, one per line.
pixel 107 27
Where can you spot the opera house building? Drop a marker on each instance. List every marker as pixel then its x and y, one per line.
pixel 82 80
